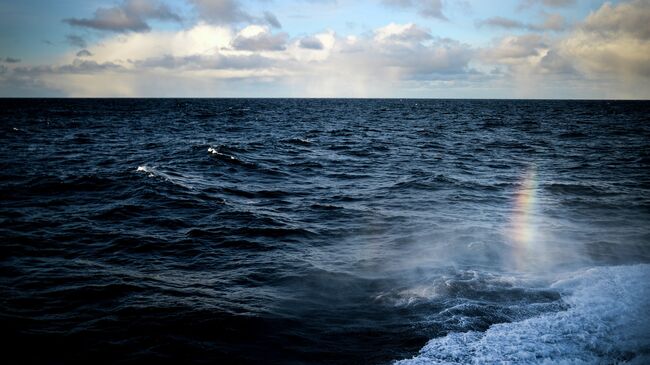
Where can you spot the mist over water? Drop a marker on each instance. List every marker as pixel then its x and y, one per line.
pixel 325 231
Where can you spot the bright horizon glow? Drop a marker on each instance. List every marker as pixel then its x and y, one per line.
pixel 457 49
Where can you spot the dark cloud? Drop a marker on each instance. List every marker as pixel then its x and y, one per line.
pixel 552 62
pixel 553 22
pixel 84 53
pixel 263 41
pixel 208 62
pixel 76 67
pixel 426 8
pixel 11 60
pixel 550 3
pixel 131 15
pixel 85 67
pixel 231 12
pixel 411 34
pixel 501 22
pixel 311 43
pixel 221 11
pixel 272 20
pixel 75 40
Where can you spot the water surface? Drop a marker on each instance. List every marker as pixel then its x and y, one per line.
pixel 324 231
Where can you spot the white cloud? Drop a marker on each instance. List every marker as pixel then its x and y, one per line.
pixel 607 53
pixel 258 38
pixel 352 66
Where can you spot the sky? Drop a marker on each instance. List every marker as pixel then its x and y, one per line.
pixel 557 49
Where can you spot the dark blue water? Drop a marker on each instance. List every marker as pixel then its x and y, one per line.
pixel 324 231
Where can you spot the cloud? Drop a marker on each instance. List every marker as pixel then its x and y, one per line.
pixel 553 22
pixel 84 53
pixel 554 63
pixel 86 67
pixel 426 8
pixel 221 11
pixel 501 22
pixel 272 20
pixel 630 19
pixel 614 40
pixel 76 40
pixel 374 63
pixel 311 43
pixel 130 15
pixel 402 33
pixel 59 80
pixel 226 12
pixel 258 38
pixel 11 60
pixel 208 62
pixel 511 48
pixel 549 3
pixel 77 66
pixel 607 54
pixel 409 52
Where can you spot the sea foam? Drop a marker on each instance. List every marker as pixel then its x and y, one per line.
pixel 607 322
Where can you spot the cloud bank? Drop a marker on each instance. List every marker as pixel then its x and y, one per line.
pixel 229 51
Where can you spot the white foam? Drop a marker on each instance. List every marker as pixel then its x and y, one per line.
pixel 607 322
pixel 146 169
pixel 215 152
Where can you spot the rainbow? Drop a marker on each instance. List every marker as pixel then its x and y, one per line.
pixel 523 230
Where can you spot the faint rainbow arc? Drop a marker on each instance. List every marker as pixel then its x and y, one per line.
pixel 523 232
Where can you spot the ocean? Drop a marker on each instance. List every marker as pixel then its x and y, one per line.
pixel 324 231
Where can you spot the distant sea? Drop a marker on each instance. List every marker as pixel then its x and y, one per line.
pixel 324 231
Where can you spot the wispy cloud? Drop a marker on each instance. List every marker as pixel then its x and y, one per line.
pixel 550 3
pixel 554 22
pixel 84 53
pixel 426 8
pixel 76 40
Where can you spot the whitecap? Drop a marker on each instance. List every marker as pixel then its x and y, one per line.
pixel 146 169
pixel 607 322
pixel 215 152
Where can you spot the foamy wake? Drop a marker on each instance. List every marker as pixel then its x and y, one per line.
pixel 607 323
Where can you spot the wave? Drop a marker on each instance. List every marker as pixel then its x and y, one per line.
pixel 606 322
pixel 298 141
